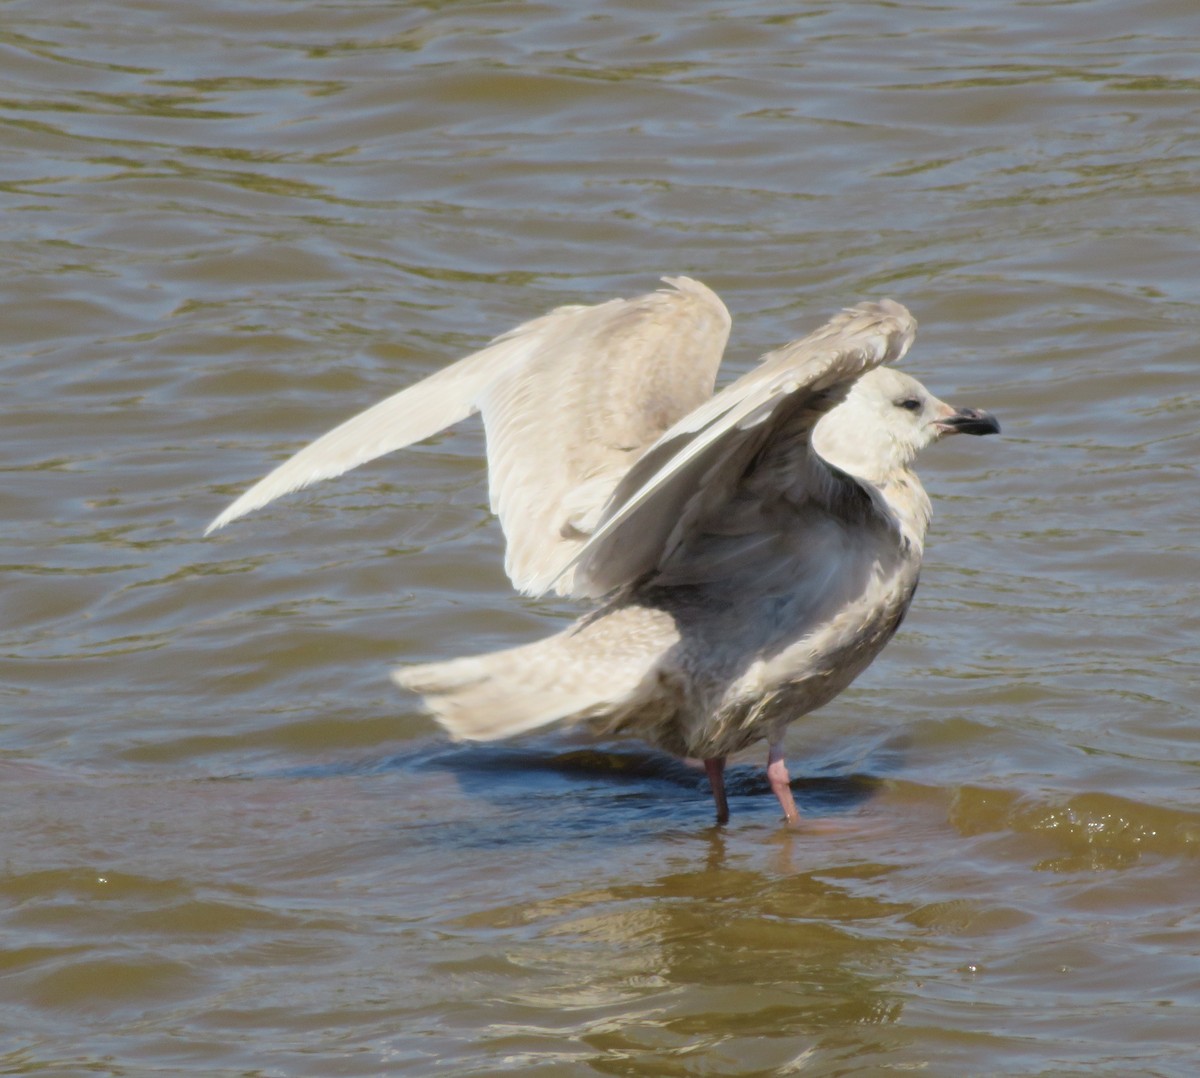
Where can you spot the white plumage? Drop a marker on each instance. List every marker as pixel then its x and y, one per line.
pixel 753 549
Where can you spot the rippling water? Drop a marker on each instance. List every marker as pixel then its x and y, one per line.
pixel 231 847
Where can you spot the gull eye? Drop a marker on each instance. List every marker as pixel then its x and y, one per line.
pixel 910 404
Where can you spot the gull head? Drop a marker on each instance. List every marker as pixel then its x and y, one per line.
pixel 887 418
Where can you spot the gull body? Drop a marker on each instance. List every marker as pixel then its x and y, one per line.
pixel 748 552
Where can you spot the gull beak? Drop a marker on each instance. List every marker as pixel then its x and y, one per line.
pixel 968 421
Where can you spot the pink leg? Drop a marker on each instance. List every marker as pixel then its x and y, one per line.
pixel 777 776
pixel 716 779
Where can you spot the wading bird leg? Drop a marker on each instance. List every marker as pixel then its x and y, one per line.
pixel 715 768
pixel 777 776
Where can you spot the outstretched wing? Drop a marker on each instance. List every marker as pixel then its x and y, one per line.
pixel 563 428
pixel 568 400
pixel 695 468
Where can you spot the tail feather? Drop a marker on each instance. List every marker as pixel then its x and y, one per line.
pixel 478 699
pixel 570 677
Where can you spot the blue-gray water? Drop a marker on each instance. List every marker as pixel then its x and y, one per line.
pixel 231 847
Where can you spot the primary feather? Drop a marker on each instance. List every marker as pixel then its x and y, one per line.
pixel 568 401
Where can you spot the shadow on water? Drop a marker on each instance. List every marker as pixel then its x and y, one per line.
pixel 522 774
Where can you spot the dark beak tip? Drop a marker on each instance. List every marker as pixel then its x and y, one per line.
pixel 973 421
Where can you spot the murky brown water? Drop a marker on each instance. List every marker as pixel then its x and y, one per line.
pixel 230 847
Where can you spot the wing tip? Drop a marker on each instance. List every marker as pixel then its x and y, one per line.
pixel 888 317
pixel 689 286
pixel 262 493
pixel 286 479
pixel 229 515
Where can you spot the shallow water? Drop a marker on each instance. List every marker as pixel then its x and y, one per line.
pixel 230 845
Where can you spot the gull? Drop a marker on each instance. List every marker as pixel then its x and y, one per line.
pixel 748 552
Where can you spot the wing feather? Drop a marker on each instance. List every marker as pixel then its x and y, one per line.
pixel 413 414
pixel 569 401
pixel 565 427
pixel 696 466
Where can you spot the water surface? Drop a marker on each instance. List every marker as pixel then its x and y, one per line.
pixel 232 847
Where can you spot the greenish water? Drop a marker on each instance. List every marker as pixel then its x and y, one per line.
pixel 231 847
